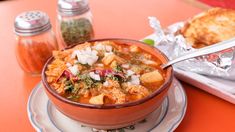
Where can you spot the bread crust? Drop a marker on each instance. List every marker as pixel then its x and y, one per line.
pixel 212 26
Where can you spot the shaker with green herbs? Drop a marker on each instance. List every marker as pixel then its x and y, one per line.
pixel 74 23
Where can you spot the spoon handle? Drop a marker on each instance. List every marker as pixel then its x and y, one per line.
pixel 203 51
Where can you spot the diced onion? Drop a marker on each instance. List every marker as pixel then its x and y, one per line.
pixel 100 65
pixel 129 73
pixel 103 47
pixel 106 84
pixel 126 66
pixel 99 47
pixel 68 65
pixel 135 79
pixel 86 56
pixel 108 48
pixel 94 76
pixel 74 70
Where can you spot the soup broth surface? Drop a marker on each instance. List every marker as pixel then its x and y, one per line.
pixel 104 72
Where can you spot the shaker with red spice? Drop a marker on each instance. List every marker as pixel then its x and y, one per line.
pixel 35 40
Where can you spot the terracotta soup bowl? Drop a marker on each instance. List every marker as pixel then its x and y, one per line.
pixel 113 115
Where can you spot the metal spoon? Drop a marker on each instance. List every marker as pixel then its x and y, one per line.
pixel 202 51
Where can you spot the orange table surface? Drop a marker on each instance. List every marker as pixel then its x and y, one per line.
pixel 112 18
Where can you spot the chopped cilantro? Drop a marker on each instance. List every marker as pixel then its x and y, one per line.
pixel 76 88
pixel 97 85
pixel 68 88
pixel 87 80
pixel 118 68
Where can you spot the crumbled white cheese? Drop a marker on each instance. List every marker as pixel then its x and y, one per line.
pixel 94 76
pixel 149 62
pixel 106 84
pixel 129 73
pixel 86 56
pixel 74 54
pixel 126 66
pixel 68 64
pixel 100 65
pixel 99 47
pixel 103 47
pixel 135 79
pixel 74 70
pixel 108 48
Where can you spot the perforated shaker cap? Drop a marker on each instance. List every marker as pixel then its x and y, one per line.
pixel 73 7
pixel 32 23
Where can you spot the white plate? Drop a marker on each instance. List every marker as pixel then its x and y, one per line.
pixel 45 117
pixel 222 88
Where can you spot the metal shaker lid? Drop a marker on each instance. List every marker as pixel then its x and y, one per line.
pixel 32 23
pixel 73 7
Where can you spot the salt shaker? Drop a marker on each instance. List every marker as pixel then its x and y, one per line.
pixel 35 40
pixel 74 22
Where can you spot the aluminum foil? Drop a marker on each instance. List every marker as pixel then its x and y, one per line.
pixel 220 64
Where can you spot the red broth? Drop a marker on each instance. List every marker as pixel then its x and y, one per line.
pixel 104 73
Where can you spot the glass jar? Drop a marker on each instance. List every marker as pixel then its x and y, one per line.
pixel 74 22
pixel 35 40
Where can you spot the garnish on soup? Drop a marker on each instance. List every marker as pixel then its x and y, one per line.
pixel 104 73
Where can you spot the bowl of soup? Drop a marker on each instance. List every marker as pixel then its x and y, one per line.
pixel 107 83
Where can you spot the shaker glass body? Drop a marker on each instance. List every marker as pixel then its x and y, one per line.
pixel 32 52
pixel 74 29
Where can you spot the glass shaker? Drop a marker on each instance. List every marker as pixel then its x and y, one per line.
pixel 74 22
pixel 35 40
